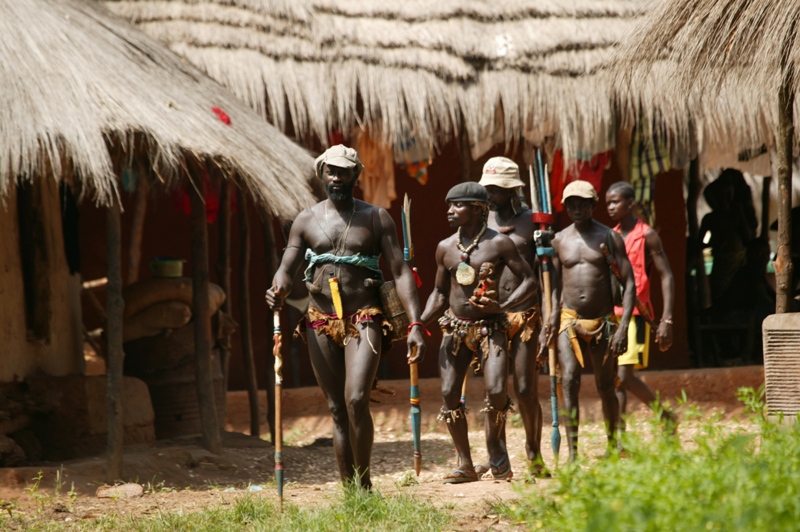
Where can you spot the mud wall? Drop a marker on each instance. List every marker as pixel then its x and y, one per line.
pixel 40 335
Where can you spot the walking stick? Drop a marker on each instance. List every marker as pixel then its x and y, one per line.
pixel 416 411
pixel 544 249
pixel 276 351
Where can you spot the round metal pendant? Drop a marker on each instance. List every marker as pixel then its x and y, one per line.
pixel 465 274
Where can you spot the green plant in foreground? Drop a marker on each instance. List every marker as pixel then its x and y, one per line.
pixel 353 510
pixel 740 478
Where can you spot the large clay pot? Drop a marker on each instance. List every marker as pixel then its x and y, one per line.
pixel 166 363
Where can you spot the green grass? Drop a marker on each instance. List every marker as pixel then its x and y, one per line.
pixel 353 510
pixel 740 478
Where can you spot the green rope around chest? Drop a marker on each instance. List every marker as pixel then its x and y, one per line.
pixel 370 262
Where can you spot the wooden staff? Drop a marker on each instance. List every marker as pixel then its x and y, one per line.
pixel 545 251
pixel 276 351
pixel 416 411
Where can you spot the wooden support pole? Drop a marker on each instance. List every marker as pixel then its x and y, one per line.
pixel 137 226
pixel 202 320
pixel 224 275
pixel 114 310
pixel 244 316
pixel 464 152
pixel 785 137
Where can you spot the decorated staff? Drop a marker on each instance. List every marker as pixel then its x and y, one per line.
pixel 540 197
pixel 416 412
pixel 276 351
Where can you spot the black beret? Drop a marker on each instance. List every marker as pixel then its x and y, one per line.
pixel 468 191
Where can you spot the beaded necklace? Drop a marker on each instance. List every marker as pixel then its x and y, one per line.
pixel 465 274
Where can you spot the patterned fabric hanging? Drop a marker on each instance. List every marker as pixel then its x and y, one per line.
pixel 649 157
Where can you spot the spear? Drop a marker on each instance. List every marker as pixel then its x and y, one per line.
pixel 416 412
pixel 544 249
pixel 276 351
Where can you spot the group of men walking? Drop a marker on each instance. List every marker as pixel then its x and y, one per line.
pixel 488 305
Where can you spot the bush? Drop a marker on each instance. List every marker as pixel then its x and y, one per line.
pixel 741 477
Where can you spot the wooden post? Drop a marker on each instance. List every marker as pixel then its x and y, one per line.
pixel 224 275
pixel 785 138
pixel 202 320
pixel 244 316
pixel 137 225
pixel 271 266
pixel 114 310
pixel 697 293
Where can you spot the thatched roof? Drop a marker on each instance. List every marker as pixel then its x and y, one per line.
pixel 411 66
pixel 77 81
pixel 713 63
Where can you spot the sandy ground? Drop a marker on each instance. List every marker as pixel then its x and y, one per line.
pixel 180 476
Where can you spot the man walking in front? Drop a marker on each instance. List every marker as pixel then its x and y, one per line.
pixel 475 325
pixel 343 238
pixel 583 316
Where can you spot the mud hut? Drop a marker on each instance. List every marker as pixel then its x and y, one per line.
pixel 723 72
pixel 86 94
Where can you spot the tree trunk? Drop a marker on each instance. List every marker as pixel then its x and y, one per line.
pixel 202 320
pixel 244 316
pixel 783 264
pixel 114 310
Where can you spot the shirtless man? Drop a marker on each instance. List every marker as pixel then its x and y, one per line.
pixel 586 324
pixel 502 182
pixel 342 238
pixel 644 250
pixel 474 329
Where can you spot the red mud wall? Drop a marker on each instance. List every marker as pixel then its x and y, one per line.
pixel 166 232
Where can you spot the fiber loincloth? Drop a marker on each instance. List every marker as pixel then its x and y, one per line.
pixel 526 323
pixel 342 330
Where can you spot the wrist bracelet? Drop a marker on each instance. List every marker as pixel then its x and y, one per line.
pixel 410 326
pixel 668 322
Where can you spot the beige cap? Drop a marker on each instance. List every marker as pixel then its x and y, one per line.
pixel 580 189
pixel 501 172
pixel 339 155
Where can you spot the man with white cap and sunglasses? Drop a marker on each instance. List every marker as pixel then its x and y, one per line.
pixel 343 238
pixel 503 184
pixel 583 318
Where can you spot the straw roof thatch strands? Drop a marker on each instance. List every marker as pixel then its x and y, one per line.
pixel 77 81
pixel 406 67
pixel 714 63
pixel 728 67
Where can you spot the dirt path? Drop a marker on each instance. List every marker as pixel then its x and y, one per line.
pixel 178 475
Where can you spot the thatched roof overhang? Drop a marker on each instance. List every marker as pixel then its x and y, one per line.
pixel 407 67
pixel 713 65
pixel 81 87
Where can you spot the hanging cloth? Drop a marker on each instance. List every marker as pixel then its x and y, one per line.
pixel 377 177
pixel 590 170
pixel 649 157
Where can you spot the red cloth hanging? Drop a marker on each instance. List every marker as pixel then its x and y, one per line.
pixel 586 170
